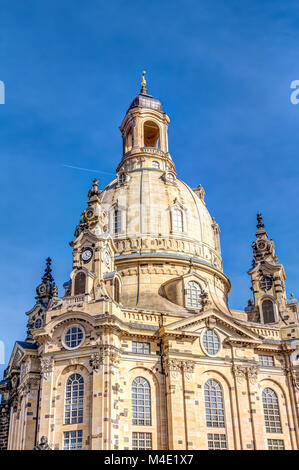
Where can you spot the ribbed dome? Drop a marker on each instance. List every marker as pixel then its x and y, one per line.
pixel 163 234
pixel 143 100
pixel 146 202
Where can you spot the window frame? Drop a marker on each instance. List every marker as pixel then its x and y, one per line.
pixel 143 343
pixel 76 400
pixel 117 221
pixel 76 431
pixel 143 410
pixel 265 362
pixel 275 444
pixel 64 341
pixel 189 296
pixel 263 300
pixel 272 426
pixel 177 224
pixel 220 421
pixel 80 283
pixel 136 435
pixel 202 341
pixel 211 438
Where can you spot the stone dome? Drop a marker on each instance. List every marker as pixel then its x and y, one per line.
pixel 163 234
pixel 146 201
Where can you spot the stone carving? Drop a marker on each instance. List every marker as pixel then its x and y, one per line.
pixel 23 372
pixel 96 361
pixel 252 372
pixel 43 445
pixel 111 351
pixel 188 368
pixel 211 322
pixel 105 351
pixel 46 367
pixel 241 372
pixel 175 366
pixel 194 248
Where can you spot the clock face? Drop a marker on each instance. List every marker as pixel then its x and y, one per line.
pixel 87 254
pixel 107 258
pixel 261 245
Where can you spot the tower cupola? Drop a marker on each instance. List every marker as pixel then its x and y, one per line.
pixel 145 135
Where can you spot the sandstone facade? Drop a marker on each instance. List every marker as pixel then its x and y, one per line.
pixel 142 350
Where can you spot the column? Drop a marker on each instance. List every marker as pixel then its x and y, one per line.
pixel 175 405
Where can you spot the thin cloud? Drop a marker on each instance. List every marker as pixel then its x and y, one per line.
pixel 87 169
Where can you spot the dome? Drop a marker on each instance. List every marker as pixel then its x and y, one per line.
pixel 148 203
pixel 164 235
pixel 143 100
pixel 165 240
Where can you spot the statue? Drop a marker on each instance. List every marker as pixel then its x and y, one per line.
pixel 43 445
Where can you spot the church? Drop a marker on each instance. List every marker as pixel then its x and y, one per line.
pixel 141 350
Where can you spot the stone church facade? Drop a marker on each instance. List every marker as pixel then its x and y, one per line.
pixel 142 350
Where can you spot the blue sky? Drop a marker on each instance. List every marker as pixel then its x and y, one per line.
pixel 222 70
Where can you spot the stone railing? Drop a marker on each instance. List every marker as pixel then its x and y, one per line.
pixel 152 150
pixel 267 333
pixel 75 299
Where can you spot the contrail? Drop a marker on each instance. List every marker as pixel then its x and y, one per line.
pixel 88 169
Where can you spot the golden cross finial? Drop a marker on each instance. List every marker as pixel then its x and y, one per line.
pixel 143 82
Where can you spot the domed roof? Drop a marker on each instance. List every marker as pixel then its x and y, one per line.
pixel 143 100
pixel 161 228
pixel 147 202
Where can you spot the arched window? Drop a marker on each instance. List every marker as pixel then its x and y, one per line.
pixel 141 402
pixel 116 290
pixel 177 220
pixel 151 134
pixel 80 282
pixel 271 411
pixel 214 404
pixel 211 342
pixel 117 221
pixel 74 396
pixel 122 178
pixel 193 294
pixel 156 165
pixel 268 311
pixel 129 141
pixel 38 323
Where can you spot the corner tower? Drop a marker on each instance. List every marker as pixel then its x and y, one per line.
pixel 270 304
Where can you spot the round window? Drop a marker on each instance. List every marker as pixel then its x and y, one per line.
pixel 122 178
pixel 266 283
pixel 211 342
pixel 38 323
pixel 74 336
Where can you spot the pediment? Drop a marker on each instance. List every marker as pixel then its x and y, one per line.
pixel 21 348
pixel 267 267
pixel 193 326
pixel 36 309
pixel 87 236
